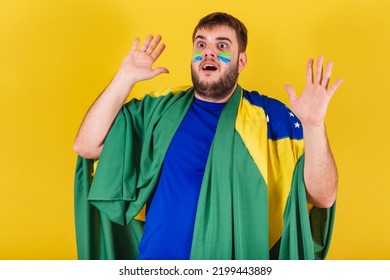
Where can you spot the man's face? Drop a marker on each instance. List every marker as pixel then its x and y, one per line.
pixel 216 63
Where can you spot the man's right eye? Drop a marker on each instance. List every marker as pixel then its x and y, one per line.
pixel 201 45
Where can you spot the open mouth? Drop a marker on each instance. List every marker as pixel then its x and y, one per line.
pixel 209 67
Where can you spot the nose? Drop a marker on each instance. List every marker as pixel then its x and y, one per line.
pixel 209 53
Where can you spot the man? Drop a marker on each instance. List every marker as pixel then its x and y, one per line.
pixel 220 169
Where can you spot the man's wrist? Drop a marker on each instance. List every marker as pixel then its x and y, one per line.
pixel 125 78
pixel 313 127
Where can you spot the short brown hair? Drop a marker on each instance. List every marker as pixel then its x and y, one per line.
pixel 224 19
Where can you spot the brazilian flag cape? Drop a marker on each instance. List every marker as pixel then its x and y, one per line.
pixel 252 203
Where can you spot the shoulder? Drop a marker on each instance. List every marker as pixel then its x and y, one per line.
pixel 153 105
pixel 282 123
pixel 158 97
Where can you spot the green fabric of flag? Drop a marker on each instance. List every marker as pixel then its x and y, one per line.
pixel 305 237
pixel 232 216
pixel 97 237
pixel 232 209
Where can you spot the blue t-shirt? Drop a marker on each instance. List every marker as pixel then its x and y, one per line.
pixel 170 215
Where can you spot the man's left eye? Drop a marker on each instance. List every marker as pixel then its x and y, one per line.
pixel 222 45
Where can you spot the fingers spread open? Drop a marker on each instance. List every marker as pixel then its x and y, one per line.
pixel 327 74
pixel 153 45
pixel 158 52
pixel 146 43
pixel 135 44
pixel 291 92
pixel 335 86
pixel 318 76
pixel 309 71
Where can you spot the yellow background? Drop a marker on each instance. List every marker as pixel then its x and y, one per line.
pixel 57 56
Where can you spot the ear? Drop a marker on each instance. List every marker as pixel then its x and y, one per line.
pixel 242 60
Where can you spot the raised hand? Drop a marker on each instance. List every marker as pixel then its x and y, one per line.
pixel 138 62
pixel 312 105
pixel 135 67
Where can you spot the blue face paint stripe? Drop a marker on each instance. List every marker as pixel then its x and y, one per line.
pixel 197 58
pixel 224 59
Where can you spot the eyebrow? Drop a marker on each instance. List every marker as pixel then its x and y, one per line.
pixel 218 38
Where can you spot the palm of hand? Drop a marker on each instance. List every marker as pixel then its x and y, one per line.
pixel 312 105
pixel 139 62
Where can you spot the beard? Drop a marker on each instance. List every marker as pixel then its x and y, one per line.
pixel 219 89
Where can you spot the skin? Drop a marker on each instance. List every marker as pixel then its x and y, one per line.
pixel 209 43
pixel 135 67
pixel 320 172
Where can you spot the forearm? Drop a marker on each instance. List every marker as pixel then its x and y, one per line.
pixel 136 67
pixel 99 118
pixel 320 171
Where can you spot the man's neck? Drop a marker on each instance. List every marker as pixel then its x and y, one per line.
pixel 211 99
